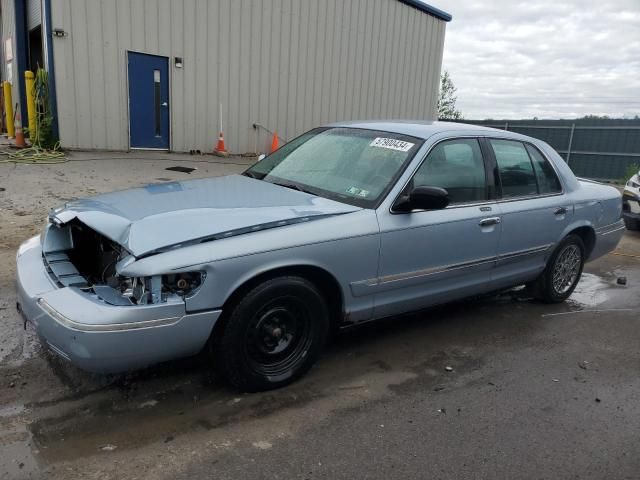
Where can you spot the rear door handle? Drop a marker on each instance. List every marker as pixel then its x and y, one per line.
pixel 487 222
pixel 560 211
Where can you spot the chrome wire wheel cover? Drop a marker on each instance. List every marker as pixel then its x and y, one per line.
pixel 566 269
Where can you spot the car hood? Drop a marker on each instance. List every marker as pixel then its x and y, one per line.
pixel 159 216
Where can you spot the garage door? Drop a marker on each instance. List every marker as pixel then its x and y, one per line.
pixel 34 14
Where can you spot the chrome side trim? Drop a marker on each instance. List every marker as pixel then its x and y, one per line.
pixel 609 232
pixel 521 253
pixel 84 327
pixel 360 287
pixel 612 227
pixel 432 271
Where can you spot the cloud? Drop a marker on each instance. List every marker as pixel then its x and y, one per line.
pixel 549 59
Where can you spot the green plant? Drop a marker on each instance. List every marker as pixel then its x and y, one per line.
pixel 630 171
pixel 44 137
pixel 447 99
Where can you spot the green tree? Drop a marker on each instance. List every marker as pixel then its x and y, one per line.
pixel 447 100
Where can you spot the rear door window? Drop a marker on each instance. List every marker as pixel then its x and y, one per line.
pixel 516 170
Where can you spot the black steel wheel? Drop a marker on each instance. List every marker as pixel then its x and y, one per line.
pixel 562 273
pixel 273 335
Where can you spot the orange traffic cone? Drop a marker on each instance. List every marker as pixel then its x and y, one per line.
pixel 274 142
pixel 20 143
pixel 220 148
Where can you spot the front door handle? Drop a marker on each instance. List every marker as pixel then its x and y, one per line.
pixel 487 222
pixel 560 211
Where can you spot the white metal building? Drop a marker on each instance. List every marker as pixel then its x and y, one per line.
pixel 153 73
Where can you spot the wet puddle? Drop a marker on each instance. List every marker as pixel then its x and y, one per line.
pixel 591 291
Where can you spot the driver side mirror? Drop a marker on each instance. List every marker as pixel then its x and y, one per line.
pixel 423 198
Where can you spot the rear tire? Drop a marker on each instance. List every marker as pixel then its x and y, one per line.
pixel 273 335
pixel 562 273
pixel 632 224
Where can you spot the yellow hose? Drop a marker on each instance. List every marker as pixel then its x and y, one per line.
pixel 33 154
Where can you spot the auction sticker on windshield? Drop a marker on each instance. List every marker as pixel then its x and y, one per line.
pixel 392 144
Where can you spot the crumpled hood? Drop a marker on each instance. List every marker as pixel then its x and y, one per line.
pixel 157 216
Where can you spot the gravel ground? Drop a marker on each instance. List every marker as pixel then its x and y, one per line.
pixel 535 391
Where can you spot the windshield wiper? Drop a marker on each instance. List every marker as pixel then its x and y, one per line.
pixel 294 186
pixel 250 174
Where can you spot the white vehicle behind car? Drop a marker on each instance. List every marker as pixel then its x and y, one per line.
pixel 631 203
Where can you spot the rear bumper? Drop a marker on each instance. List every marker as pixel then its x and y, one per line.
pixel 607 239
pixel 99 337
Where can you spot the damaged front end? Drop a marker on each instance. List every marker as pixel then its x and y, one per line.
pixel 75 255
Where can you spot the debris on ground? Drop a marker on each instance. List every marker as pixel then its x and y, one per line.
pixel 107 447
pixel 442 410
pixel 169 439
pixel 622 280
pixel 180 169
pixel 584 365
pixel 438 388
pixel 597 400
pixel 556 380
pixel 448 368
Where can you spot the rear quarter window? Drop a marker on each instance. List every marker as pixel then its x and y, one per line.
pixel 548 181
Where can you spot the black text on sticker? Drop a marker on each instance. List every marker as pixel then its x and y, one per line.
pixel 392 144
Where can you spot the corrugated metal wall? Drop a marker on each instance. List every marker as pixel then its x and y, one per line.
pixel 8 31
pixel 287 64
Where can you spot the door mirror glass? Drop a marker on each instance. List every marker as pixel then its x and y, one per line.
pixel 424 198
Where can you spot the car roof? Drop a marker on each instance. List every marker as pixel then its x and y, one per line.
pixel 424 129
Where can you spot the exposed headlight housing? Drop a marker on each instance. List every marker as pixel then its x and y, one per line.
pixel 633 184
pixel 157 288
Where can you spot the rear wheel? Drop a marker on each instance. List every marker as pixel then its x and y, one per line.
pixel 273 335
pixel 562 274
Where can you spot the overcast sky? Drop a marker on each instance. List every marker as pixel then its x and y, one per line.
pixel 550 59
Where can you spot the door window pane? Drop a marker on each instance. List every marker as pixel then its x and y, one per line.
pixel 457 166
pixel 514 165
pixel 548 181
pixel 156 93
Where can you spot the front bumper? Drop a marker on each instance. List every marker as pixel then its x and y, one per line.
pixel 99 337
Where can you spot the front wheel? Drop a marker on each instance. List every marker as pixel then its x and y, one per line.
pixel 273 335
pixel 562 274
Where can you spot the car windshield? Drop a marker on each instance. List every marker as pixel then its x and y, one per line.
pixel 350 165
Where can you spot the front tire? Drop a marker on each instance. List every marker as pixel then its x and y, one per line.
pixel 562 274
pixel 273 335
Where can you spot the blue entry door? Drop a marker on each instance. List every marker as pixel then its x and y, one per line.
pixel 148 101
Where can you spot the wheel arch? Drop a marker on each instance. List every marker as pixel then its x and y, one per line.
pixel 587 234
pixel 324 280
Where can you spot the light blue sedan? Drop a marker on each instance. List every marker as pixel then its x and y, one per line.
pixel 345 224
